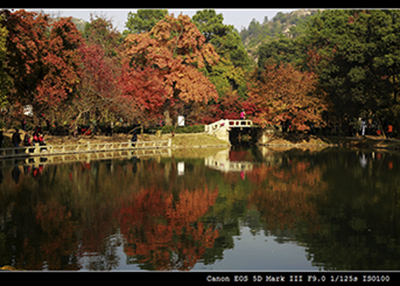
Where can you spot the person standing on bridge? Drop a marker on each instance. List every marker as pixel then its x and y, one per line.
pixel 242 114
pixel 16 138
pixel 134 138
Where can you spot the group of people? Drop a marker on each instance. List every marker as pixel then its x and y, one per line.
pixel 375 128
pixel 351 128
pixel 36 139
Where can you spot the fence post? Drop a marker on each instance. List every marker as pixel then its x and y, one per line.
pixel 37 148
pixel 169 142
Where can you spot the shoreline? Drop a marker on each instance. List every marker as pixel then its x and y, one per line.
pixel 204 140
pixel 305 140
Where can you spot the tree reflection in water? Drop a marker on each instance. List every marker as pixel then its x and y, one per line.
pixel 163 232
pixel 284 195
pixel 344 211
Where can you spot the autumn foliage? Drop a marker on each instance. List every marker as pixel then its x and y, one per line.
pixel 98 88
pixel 161 67
pixel 283 93
pixel 58 236
pixel 164 231
pixel 61 64
pixel 143 92
pixel 44 68
pixel 147 77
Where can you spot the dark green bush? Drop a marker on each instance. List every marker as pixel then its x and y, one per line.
pixel 183 129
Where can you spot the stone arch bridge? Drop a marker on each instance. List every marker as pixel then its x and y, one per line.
pixel 222 129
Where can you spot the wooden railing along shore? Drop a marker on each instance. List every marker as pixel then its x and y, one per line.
pixel 34 151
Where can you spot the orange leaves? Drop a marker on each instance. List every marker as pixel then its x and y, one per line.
pixel 284 93
pixel 156 225
pixel 174 50
pixel 192 85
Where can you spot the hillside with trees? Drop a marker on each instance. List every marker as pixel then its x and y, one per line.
pixel 284 25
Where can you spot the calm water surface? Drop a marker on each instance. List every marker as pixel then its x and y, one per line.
pixel 238 209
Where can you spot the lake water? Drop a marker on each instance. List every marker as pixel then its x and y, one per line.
pixel 204 209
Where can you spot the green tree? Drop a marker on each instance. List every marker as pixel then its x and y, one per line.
pixel 290 25
pixel 282 50
pixel 226 77
pixel 356 55
pixel 384 43
pixel 225 39
pixel 254 34
pixel 229 73
pixel 143 21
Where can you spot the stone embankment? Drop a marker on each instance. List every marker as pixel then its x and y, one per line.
pixel 301 140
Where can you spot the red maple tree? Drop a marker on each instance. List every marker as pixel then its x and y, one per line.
pixel 98 90
pixel 42 59
pixel 143 93
pixel 60 63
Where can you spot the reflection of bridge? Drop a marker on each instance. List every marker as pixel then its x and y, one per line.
pixel 228 166
pixel 221 128
pixel 221 162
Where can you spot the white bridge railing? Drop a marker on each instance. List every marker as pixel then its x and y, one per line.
pixel 227 123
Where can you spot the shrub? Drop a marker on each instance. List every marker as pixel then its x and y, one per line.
pixel 184 129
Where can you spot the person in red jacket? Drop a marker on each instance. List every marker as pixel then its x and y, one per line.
pixel 242 115
pixel 390 131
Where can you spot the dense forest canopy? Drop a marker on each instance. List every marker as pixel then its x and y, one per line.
pixel 343 63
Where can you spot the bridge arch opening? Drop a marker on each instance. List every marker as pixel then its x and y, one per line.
pixel 241 136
